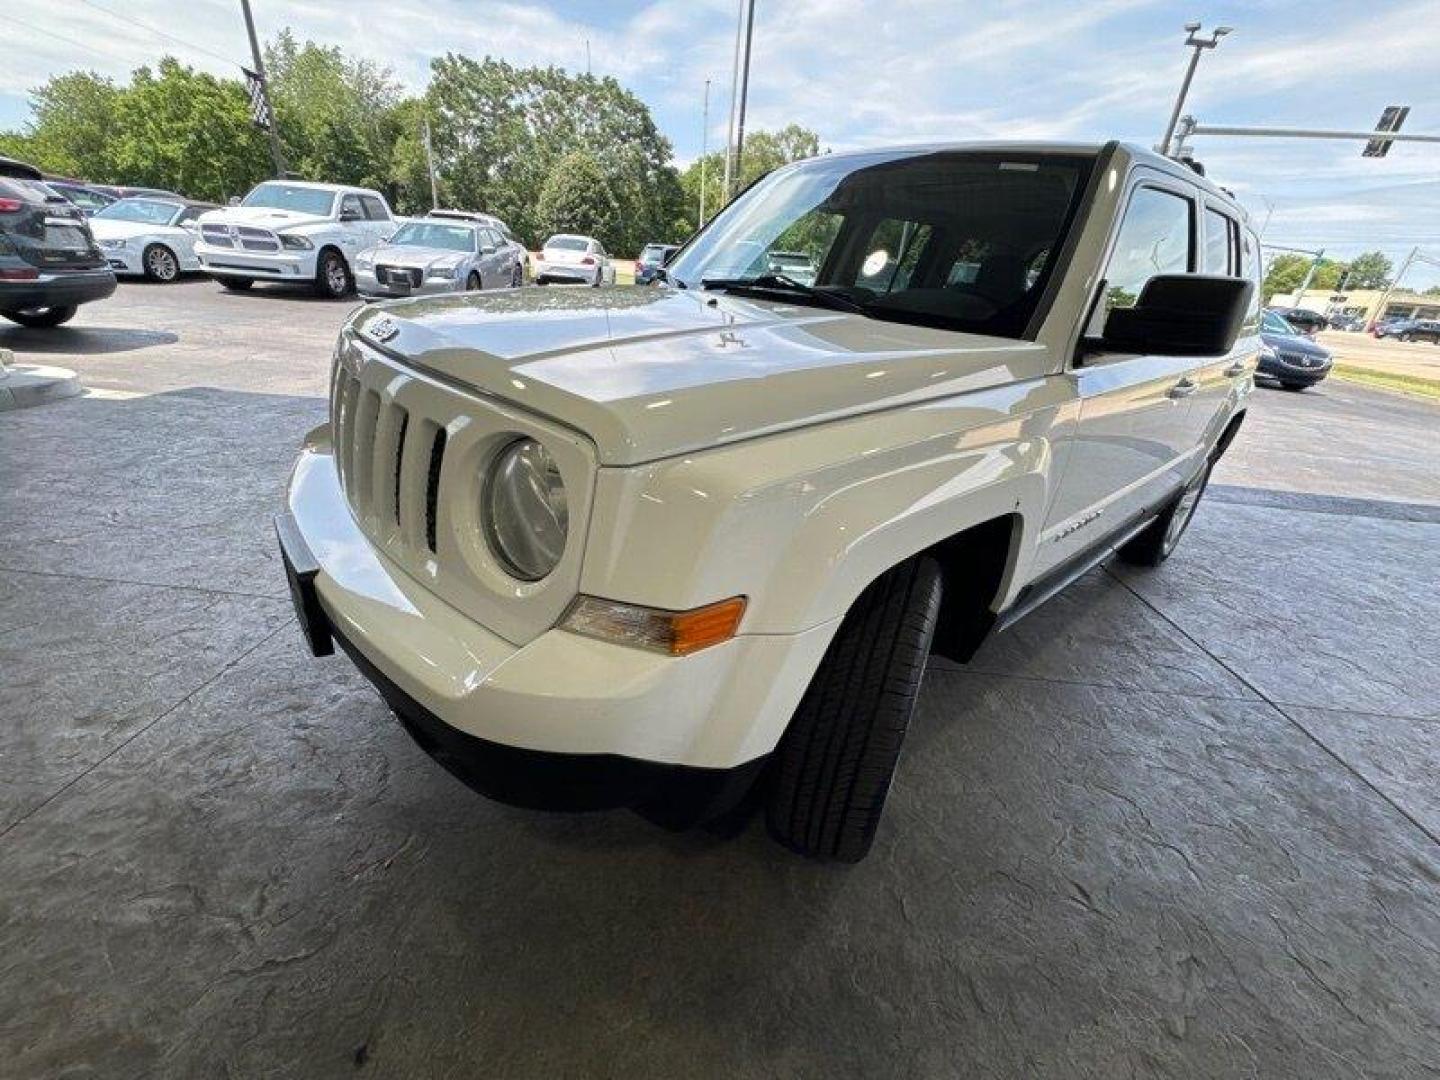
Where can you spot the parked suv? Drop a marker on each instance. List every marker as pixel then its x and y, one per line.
pixel 652 261
pixel 1411 330
pixel 296 232
pixel 664 548
pixel 49 264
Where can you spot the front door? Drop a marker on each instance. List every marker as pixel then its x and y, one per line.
pixel 1133 444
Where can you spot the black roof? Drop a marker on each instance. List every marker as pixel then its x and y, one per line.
pixel 11 167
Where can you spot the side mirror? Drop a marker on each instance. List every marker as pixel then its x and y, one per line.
pixel 349 215
pixel 1179 315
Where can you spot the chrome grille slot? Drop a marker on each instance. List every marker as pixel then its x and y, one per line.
pixel 252 239
pixel 216 235
pixel 432 487
pixel 367 416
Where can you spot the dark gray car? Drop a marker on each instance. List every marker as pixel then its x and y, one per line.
pixel 49 262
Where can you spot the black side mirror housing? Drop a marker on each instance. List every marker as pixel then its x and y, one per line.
pixel 349 215
pixel 1180 315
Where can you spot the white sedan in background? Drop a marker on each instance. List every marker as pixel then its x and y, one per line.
pixel 577 259
pixel 149 236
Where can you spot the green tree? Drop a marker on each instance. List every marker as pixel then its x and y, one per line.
pixel 1369 271
pixel 337 117
pixel 578 198
pixel 71 128
pixel 499 132
pixel 1287 272
pixel 764 151
pixel 189 131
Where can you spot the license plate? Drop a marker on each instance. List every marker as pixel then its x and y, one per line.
pixel 301 569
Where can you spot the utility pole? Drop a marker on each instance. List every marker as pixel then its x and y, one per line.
pixel 734 98
pixel 430 165
pixel 744 89
pixel 1309 275
pixel 276 154
pixel 1198 44
pixel 1385 296
pixel 704 133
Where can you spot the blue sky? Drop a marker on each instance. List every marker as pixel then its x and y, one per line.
pixel 872 72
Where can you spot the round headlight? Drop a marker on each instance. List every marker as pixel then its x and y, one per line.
pixel 524 510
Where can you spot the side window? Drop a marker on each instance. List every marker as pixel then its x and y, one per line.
pixel 1219 232
pixel 489 238
pixel 1154 239
pixel 374 208
pixel 350 204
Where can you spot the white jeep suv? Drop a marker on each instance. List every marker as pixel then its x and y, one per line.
pixel 664 548
pixel 295 232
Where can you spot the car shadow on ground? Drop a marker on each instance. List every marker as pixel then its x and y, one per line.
pixel 82 340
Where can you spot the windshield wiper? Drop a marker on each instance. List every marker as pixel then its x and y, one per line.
pixel 784 283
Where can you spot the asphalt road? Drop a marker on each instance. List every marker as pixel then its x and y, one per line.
pixel 1177 823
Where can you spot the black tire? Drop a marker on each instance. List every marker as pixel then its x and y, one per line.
pixel 42 318
pixel 833 767
pixel 1162 536
pixel 236 284
pixel 333 279
pixel 160 264
pixel 473 282
pixel 517 276
pixel 1294 387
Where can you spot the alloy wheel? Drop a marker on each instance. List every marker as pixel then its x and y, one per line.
pixel 160 261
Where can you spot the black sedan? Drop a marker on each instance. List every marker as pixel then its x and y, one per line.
pixel 1288 356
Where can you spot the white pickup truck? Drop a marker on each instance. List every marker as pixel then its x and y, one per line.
pixel 666 548
pixel 296 232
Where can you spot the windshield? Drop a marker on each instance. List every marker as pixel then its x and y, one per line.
pixel 1274 324
pixel 288 197
pixel 429 234
pixel 962 240
pixel 567 243
pixel 147 211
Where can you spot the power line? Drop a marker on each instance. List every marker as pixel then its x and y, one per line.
pixel 69 40
pixel 160 33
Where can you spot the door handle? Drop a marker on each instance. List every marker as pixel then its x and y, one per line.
pixel 1235 369
pixel 1183 389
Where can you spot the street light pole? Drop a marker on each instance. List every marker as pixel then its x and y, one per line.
pixel 1197 44
pixel 744 89
pixel 1385 296
pixel 704 145
pixel 276 154
pixel 734 98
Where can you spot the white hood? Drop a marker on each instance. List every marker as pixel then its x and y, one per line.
pixel 266 217
pixel 115 229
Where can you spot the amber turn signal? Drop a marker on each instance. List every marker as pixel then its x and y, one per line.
pixel 676 633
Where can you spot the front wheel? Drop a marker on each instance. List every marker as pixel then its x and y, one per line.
pixel 834 764
pixel 42 317
pixel 332 276
pixel 473 283
pixel 1158 541
pixel 160 264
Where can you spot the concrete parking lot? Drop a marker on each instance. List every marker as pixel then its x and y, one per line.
pixel 1181 822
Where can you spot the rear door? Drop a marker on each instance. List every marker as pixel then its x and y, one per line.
pixel 495 260
pixel 1225 250
pixel 1133 444
pixel 356 231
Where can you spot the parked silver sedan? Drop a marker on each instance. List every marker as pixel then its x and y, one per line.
pixel 431 255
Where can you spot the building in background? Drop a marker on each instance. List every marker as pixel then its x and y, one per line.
pixel 1364 303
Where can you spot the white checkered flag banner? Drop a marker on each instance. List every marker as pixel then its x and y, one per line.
pixel 259 107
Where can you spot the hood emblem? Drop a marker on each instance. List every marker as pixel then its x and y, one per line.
pixel 382 329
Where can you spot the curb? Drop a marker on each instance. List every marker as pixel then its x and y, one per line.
pixel 25 385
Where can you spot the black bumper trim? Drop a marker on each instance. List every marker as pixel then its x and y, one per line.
pixel 674 796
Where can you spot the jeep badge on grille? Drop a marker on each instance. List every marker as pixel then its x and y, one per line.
pixel 382 329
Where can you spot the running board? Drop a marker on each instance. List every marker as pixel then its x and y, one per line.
pixel 1058 579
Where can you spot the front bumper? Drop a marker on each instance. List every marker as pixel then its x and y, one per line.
pixel 297 266
pixel 1294 369
pixel 559 722
pixel 371 288
pixel 123 260
pixel 57 288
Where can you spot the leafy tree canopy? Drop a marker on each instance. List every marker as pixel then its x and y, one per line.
pixel 576 198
